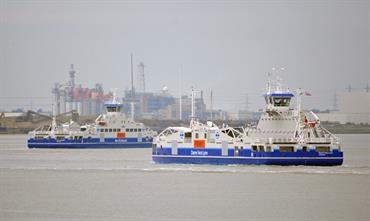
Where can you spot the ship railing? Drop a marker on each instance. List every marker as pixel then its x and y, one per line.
pixel 296 140
pixel 40 131
pixel 248 131
pixel 282 140
pixel 77 133
pixel 232 133
pixel 318 140
pixel 43 129
pixel 332 137
pixel 328 138
pixel 169 131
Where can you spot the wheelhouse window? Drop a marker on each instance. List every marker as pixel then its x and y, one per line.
pixel 285 102
pixel 111 109
pixel 277 101
pixel 114 109
pixel 281 102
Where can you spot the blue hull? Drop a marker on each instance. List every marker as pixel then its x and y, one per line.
pixel 89 143
pixel 208 156
pixel 329 161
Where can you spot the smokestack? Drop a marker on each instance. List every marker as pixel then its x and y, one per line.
pixel 132 76
pixel 72 73
pixel 140 81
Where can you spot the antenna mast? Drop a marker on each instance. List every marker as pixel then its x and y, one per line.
pixel 180 100
pixel 132 110
pixel 211 105
pixel 192 103
pixel 299 107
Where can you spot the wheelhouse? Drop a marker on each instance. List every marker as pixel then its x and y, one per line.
pixel 113 108
pixel 278 99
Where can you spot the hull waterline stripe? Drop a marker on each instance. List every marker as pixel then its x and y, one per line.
pixel 228 157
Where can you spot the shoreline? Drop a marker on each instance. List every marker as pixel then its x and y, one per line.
pixel 13 125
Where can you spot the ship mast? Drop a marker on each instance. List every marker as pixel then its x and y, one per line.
pixel 192 106
pixel 299 107
pixel 180 94
pixel 192 103
pixel 132 110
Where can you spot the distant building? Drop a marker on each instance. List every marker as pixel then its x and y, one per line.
pixel 147 105
pixel 215 115
pixel 240 115
pixel 86 101
pixel 172 112
pixel 353 107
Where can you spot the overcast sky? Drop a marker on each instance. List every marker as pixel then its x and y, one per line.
pixel 226 46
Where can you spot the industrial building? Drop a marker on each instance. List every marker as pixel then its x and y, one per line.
pixel 146 105
pixel 164 106
pixel 137 103
pixel 352 107
pixel 69 96
pixel 173 111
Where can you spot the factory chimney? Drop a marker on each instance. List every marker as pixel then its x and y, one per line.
pixel 141 78
pixel 132 76
pixel 72 73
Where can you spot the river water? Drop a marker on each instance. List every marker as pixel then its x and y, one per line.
pixel 124 184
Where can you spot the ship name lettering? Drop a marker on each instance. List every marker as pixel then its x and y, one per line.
pixel 198 153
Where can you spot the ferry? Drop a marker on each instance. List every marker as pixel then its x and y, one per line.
pixel 110 130
pixel 284 135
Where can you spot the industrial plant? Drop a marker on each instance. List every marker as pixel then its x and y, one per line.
pixel 138 103
pixel 71 100
pixel 69 96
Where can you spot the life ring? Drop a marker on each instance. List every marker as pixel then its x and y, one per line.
pixel 312 124
pixel 309 123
